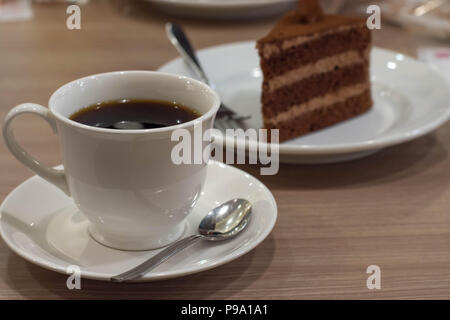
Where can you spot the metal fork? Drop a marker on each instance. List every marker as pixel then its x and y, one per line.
pixel 225 118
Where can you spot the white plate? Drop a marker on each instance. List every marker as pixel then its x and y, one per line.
pixel 223 9
pixel 410 100
pixel 43 226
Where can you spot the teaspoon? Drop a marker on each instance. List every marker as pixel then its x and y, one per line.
pixel 223 222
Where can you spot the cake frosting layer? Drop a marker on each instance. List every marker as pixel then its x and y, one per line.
pixel 314 50
pixel 269 50
pixel 321 66
pixel 322 117
pixel 319 102
pixel 314 86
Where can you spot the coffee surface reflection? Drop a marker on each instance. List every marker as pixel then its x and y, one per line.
pixel 132 114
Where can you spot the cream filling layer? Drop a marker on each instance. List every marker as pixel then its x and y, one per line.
pixel 270 50
pixel 321 66
pixel 320 102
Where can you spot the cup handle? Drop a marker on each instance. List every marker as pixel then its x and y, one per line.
pixel 55 176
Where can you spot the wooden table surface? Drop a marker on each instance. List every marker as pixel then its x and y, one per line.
pixel 390 209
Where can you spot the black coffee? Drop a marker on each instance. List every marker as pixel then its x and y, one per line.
pixel 126 114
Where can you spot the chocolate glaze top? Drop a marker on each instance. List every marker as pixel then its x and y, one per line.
pixel 289 26
pixel 309 11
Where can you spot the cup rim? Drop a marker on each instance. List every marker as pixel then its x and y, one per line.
pixel 209 113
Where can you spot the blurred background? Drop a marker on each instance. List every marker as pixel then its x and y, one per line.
pixel 39 53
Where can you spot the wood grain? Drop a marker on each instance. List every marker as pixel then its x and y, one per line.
pixel 390 209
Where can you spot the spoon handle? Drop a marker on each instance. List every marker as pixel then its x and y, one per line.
pixel 180 41
pixel 155 261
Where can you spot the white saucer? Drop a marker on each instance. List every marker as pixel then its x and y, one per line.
pixel 411 100
pixel 43 226
pixel 223 9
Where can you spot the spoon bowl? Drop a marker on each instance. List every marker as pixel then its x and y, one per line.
pixel 226 221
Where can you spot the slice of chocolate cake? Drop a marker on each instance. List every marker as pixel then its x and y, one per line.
pixel 316 70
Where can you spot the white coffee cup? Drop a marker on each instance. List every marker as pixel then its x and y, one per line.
pixel 123 181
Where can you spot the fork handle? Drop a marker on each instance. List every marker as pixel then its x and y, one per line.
pixel 140 270
pixel 180 41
